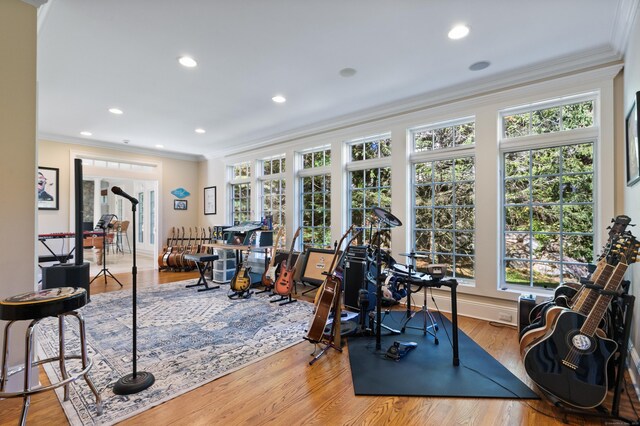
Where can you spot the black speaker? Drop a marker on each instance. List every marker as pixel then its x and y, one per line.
pixel 354 279
pixel 66 275
pixel 526 302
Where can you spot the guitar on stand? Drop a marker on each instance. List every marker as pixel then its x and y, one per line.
pixel 284 283
pixel 162 259
pixel 269 276
pixel 329 301
pixel 241 281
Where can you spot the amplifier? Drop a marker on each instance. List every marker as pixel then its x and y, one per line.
pixel 354 280
pixel 356 252
pixel 66 275
pixel 526 302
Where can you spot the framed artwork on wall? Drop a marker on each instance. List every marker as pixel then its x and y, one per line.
pixel 210 204
pixel 179 204
pixel 631 143
pixel 47 186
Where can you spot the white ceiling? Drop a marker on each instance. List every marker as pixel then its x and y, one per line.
pixel 97 54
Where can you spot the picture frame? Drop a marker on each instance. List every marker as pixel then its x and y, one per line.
pixel 47 182
pixel 632 148
pixel 210 202
pixel 180 204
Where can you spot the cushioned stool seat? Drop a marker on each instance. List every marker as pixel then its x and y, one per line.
pixel 35 306
pixel 201 260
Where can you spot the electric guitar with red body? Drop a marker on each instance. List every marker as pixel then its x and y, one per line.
pixel 284 283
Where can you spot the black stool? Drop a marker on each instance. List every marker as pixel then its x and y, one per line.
pixel 201 259
pixel 35 306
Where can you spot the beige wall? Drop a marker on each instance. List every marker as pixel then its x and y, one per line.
pixel 172 173
pixel 632 194
pixel 18 159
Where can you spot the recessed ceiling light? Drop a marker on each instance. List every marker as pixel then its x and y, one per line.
pixel 201 131
pixel 116 111
pixel 125 140
pixel 279 99
pixel 347 72
pixel 159 146
pixel 85 133
pixel 187 61
pixel 479 65
pixel 458 32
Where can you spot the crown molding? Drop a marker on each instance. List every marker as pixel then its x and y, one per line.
pixel 122 148
pixel 604 60
pixel 35 3
pixel 623 24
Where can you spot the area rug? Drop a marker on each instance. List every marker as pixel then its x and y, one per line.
pixel 185 339
pixel 428 370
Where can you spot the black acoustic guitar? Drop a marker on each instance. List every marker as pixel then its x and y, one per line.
pixel 570 363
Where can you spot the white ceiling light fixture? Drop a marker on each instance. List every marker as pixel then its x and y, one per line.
pixel 279 99
pixel 187 61
pixel 159 146
pixel 116 111
pixel 458 32
pixel 200 131
pixel 85 133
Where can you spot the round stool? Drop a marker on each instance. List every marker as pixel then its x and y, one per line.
pixel 35 306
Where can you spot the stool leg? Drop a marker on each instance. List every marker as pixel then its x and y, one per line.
pixel 5 357
pixel 83 348
pixel 63 367
pixel 28 354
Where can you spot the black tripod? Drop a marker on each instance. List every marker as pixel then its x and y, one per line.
pixel 104 271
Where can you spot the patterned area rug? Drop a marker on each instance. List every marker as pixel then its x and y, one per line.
pixel 185 339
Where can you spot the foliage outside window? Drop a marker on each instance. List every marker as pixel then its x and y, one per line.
pixel 370 148
pixel 549 120
pixel 548 214
pixel 316 159
pixel 241 170
pixel 241 202
pixel 273 190
pixel 444 214
pixel 315 208
pixel 431 139
pixel 370 188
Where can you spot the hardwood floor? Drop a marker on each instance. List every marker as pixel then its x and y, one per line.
pixel 285 390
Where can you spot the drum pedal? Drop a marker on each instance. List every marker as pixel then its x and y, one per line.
pixel 400 349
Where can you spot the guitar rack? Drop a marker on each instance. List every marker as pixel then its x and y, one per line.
pixel 622 303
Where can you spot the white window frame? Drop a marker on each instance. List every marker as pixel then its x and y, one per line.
pixel 311 172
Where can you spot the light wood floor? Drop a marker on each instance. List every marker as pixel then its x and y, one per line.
pixel 285 390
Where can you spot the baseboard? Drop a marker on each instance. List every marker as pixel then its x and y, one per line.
pixel 505 313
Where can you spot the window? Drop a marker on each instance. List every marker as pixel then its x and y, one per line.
pixel 369 184
pixel 273 189
pixel 152 217
pixel 551 119
pixel 240 193
pixel 315 198
pixel 548 198
pixel 443 196
pixel 141 217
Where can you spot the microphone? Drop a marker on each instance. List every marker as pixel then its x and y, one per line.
pixel 118 191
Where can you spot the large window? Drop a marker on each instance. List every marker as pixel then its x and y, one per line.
pixel 369 185
pixel 548 196
pixel 273 190
pixel 443 196
pixel 240 193
pixel 315 198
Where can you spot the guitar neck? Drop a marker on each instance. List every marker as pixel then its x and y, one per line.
pixel 600 307
pixel 588 297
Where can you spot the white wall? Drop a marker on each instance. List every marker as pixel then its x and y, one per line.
pixel 482 298
pixel 632 194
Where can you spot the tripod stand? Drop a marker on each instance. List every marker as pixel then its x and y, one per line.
pixel 104 271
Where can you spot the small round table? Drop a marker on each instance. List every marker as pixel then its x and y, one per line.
pixel 35 306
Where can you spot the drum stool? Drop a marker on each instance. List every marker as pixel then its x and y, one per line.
pixel 35 306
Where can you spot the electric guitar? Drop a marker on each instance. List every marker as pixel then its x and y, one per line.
pixel 284 283
pixel 570 363
pixel 269 276
pixel 241 281
pixel 329 296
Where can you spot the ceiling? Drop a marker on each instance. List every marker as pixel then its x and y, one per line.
pixel 97 54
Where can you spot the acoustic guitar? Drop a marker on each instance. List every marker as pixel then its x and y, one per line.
pixel 329 294
pixel 269 276
pixel 169 249
pixel 284 283
pixel 241 281
pixel 570 363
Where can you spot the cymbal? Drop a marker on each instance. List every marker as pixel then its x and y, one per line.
pixel 386 217
pixel 414 255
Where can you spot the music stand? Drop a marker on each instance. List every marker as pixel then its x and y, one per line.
pixel 103 224
pixel 392 221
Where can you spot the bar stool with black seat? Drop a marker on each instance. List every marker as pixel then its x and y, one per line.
pixel 203 262
pixel 35 306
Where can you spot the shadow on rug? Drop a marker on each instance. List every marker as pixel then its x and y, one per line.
pixel 185 339
pixel 428 370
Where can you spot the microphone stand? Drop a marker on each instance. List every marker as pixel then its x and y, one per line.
pixel 138 380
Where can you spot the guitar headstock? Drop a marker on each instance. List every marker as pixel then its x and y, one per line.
pixel 624 250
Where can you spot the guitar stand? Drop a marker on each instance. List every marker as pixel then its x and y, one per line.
pixel 104 271
pixel 287 300
pixel 240 294
pixel 334 337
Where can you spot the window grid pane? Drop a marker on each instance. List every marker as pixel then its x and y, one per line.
pixel 317 158
pixel 444 137
pixel 273 200
pixel 315 210
pixel 549 120
pixel 240 203
pixel 375 147
pixel 548 215
pixel 369 188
